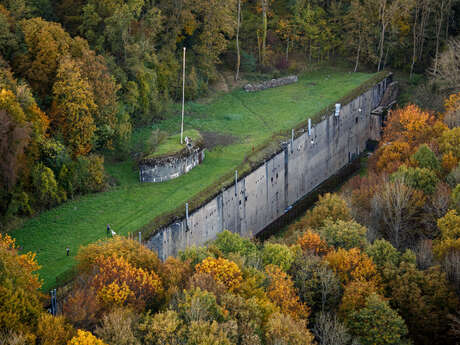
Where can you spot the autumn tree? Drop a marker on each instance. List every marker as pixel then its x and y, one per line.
pixel 118 327
pixel 53 330
pixel 20 298
pixel 222 270
pixel 328 206
pixel 396 205
pixel 317 285
pixel 85 338
pixel 283 330
pixel 352 265
pixel 312 243
pixel 73 108
pixel 377 323
pixel 119 283
pixel 277 254
pixel 283 293
pixel 344 234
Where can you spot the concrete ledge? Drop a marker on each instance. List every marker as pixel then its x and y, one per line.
pixel 271 84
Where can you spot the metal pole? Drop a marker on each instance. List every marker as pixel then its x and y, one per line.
pixel 186 211
pixel 183 99
pixel 140 238
pixel 309 127
pixel 236 182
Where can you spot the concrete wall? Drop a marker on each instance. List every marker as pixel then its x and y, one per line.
pixel 169 168
pixel 264 195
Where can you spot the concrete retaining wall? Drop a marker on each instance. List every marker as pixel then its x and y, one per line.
pixel 266 193
pixel 170 167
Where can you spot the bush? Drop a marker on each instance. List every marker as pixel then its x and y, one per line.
pixel 248 62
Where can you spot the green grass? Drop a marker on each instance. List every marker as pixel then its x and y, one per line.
pixel 171 145
pixel 252 118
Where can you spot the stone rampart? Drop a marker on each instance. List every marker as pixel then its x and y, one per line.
pixel 268 84
pixel 265 194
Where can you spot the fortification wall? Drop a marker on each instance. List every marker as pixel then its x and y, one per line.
pixel 258 199
pixel 170 167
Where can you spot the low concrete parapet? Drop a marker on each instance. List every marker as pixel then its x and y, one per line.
pixel 268 84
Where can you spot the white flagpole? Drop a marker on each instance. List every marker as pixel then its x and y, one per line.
pixel 183 98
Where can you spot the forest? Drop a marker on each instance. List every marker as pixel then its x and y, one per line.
pixel 77 77
pixel 376 262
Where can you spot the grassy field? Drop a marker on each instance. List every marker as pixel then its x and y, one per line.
pixel 248 118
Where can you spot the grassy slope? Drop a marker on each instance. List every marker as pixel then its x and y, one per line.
pixel 252 118
pixel 171 145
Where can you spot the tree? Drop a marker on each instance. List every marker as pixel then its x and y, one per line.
pixel 328 206
pixel 85 338
pixel 329 330
pixel 222 270
pixel 413 293
pixel 383 254
pixel 396 204
pixel 352 265
pixel 344 234
pixel 317 285
pixel 417 178
pixel 117 327
pixel 47 43
pixel 162 328
pixel 132 251
pixel 53 330
pixel 447 247
pixel 277 254
pixel 73 107
pixel 20 298
pixel 312 243
pixel 355 296
pixel 283 293
pixel 45 185
pixel 284 330
pixel 425 158
pixel 119 283
pixel 376 323
pixel 452 114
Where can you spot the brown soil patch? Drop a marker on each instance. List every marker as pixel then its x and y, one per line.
pixel 213 139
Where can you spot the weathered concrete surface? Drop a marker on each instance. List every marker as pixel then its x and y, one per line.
pixel 271 83
pixel 264 195
pixel 168 168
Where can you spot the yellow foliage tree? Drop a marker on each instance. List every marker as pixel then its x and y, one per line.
pixel 20 298
pixel 73 108
pixel 85 338
pixel 223 271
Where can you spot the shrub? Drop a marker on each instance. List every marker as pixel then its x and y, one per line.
pixel 228 242
pixel 117 328
pixel 53 330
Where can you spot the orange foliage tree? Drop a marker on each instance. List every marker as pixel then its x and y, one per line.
pixel 223 271
pixel 118 282
pixel 352 265
pixel 283 293
pixel 406 129
pixel 312 243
